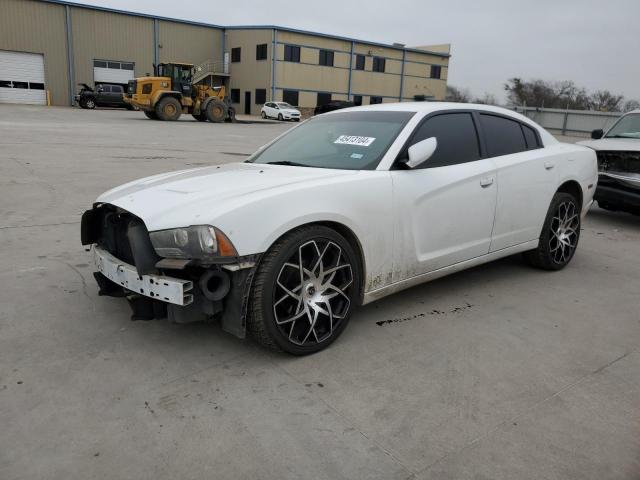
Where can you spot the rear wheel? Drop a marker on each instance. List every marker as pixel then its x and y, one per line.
pixel 168 109
pixel 151 114
pixel 304 292
pixel 216 111
pixel 560 234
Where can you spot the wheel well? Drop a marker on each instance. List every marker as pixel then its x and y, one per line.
pixel 572 187
pixel 177 96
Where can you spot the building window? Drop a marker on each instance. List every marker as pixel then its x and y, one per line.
pixel 235 95
pixel 290 96
pixel 357 100
pixel 375 100
pixel 323 98
pixel 378 64
pixel 236 54
pixel 291 53
pixel 436 71
pixel 126 66
pixel 261 96
pixel 360 62
pixel 326 58
pixel 100 63
pixel 261 51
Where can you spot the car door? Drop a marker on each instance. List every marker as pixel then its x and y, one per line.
pixel 268 109
pixel 526 176
pixel 444 209
pixel 116 96
pixel 102 95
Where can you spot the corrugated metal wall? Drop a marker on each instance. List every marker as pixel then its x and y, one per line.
pixel 110 36
pixel 179 42
pixel 37 27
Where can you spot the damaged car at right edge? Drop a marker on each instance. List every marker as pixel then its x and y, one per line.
pixel 618 152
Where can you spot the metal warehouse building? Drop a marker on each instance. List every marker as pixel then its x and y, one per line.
pixel 48 47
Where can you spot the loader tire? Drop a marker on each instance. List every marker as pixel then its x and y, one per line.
pixel 168 109
pixel 216 111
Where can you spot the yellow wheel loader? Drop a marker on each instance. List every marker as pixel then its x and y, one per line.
pixel 172 92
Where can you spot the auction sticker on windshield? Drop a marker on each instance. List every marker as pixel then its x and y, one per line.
pixel 354 140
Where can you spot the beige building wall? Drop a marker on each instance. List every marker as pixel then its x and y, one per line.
pixel 110 36
pixel 37 27
pixel 180 42
pixel 249 74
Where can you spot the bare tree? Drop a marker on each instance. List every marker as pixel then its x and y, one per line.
pixel 458 95
pixel 631 105
pixel 605 101
pixel 487 99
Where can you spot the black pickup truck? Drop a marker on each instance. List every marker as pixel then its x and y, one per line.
pixel 105 95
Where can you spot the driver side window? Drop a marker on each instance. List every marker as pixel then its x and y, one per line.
pixel 457 139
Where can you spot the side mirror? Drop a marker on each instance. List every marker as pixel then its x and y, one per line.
pixel 100 89
pixel 597 134
pixel 421 152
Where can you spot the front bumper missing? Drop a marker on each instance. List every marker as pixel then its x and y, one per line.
pixel 158 287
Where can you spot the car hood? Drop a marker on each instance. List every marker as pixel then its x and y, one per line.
pixel 613 144
pixel 196 196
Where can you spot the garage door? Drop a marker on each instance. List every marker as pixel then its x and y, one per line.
pixel 109 71
pixel 22 78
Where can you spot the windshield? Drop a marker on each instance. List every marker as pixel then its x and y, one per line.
pixel 627 127
pixel 346 141
pixel 283 105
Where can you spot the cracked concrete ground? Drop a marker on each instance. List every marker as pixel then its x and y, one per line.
pixel 499 372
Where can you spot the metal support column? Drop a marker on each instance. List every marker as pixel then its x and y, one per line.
pixel 156 44
pixel 70 70
pixel 350 71
pixel 404 58
pixel 274 53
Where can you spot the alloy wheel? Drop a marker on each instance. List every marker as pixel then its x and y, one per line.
pixel 312 292
pixel 564 232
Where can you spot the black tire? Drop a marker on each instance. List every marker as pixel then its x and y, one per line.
pixel 263 115
pixel 280 117
pixel 201 117
pixel 89 103
pixel 296 119
pixel 168 109
pixel 270 297
pixel 150 114
pixel 560 234
pixel 216 111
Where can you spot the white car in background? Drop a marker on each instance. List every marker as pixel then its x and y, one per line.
pixel 342 210
pixel 281 111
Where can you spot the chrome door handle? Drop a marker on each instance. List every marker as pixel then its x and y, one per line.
pixel 549 165
pixel 486 181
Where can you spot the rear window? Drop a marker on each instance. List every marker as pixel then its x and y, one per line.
pixel 503 136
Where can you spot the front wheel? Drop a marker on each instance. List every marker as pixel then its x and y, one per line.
pixel 89 103
pixel 263 115
pixel 560 234
pixel 168 109
pixel 304 292
pixel 280 117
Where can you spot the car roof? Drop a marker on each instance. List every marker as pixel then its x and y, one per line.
pixel 430 107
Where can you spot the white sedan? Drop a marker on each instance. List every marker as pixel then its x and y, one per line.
pixel 340 211
pixel 281 111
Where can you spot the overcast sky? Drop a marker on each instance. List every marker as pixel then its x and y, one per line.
pixel 596 43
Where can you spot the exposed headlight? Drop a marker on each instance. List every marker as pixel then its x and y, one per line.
pixel 202 242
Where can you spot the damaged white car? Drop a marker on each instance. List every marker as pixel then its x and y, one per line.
pixel 340 211
pixel 618 153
